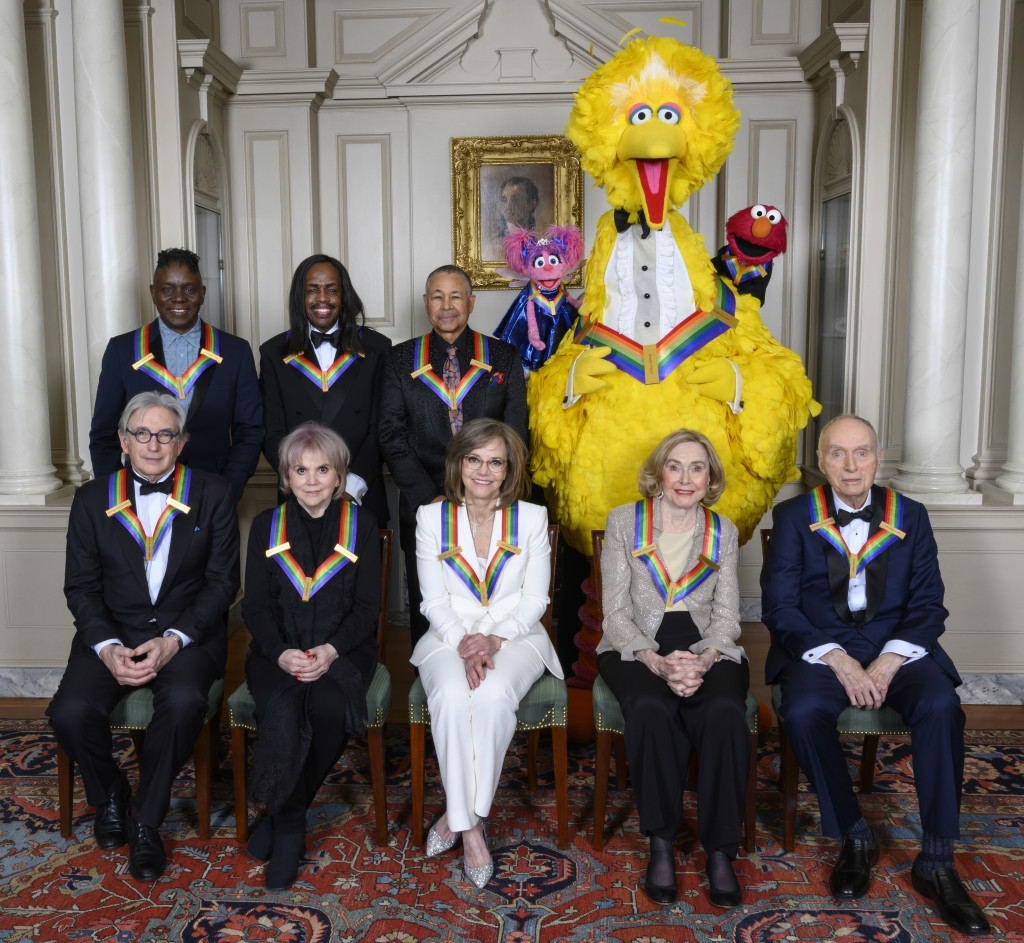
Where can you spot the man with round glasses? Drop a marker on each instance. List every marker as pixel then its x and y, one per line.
pixel 150 571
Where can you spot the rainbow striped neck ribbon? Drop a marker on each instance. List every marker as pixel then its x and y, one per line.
pixel 478 366
pixel 280 550
pixel 889 531
pixel 742 272
pixel 209 354
pixel 322 378
pixel 549 302
pixel 674 592
pixel 451 552
pixel 121 508
pixel 652 363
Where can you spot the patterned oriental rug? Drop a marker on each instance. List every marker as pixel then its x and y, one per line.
pixel 349 890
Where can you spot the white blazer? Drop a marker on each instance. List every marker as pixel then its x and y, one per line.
pixel 520 596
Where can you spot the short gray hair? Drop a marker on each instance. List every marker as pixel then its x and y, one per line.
pixel 449 270
pixel 828 425
pixel 149 399
pixel 312 437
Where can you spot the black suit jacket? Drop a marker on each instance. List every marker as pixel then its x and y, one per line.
pixel 805 582
pixel 351 407
pixel 414 424
pixel 225 418
pixel 105 574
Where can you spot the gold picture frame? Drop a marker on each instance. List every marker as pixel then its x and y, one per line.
pixel 492 176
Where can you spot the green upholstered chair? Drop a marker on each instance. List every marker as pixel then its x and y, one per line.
pixel 134 713
pixel 871 724
pixel 242 711
pixel 611 729
pixel 545 706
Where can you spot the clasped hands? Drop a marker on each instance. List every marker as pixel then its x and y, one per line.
pixel 477 651
pixel 126 665
pixel 310 665
pixel 865 687
pixel 682 671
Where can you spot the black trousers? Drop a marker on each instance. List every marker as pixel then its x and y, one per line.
pixel 662 728
pixel 80 716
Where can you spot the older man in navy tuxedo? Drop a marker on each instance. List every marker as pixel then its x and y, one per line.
pixel 852 596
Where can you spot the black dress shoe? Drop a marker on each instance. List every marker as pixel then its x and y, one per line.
pixel 110 824
pixel 851 875
pixel 661 864
pixel 724 889
pixel 261 844
pixel 146 856
pixel 283 867
pixel 951 900
pixel 661 895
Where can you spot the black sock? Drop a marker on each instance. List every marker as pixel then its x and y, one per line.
pixel 860 830
pixel 661 866
pixel 936 852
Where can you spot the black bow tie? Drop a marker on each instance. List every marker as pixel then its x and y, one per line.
pixel 845 517
pixel 622 222
pixel 150 487
pixel 318 338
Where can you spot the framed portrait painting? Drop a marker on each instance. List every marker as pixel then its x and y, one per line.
pixel 533 181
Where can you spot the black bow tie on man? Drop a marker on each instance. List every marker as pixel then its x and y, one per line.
pixel 149 487
pixel 845 517
pixel 318 338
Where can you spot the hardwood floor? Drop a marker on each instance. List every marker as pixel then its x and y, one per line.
pixel 398 649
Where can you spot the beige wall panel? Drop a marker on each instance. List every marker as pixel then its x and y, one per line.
pixel 265 34
pixel 764 29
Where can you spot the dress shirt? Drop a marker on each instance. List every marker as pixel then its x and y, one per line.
pixel 180 352
pixel 856 534
pixel 148 508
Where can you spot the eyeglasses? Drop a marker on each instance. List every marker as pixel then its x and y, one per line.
pixel 495 464
pixel 142 436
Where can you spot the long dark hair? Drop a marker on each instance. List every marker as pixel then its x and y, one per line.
pixel 350 315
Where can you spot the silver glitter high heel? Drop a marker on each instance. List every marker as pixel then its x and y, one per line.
pixel 436 845
pixel 479 876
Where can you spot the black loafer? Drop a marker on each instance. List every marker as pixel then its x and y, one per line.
pixel 146 856
pixel 851 876
pixel 951 900
pixel 723 888
pixel 110 824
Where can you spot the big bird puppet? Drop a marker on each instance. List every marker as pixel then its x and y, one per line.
pixel 663 342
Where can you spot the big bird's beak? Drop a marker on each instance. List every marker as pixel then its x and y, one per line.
pixel 652 151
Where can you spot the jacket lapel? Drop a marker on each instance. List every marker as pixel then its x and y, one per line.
pixel 204 381
pixel 182 529
pixel 838 569
pixel 877 568
pixel 134 555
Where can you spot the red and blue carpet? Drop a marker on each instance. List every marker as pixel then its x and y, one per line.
pixel 350 890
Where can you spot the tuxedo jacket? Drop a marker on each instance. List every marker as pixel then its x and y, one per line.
pixel 351 407
pixel 805 580
pixel 225 418
pixel 520 596
pixel 414 424
pixel 105 573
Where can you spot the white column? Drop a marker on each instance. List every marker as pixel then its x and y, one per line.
pixel 105 174
pixel 25 467
pixel 940 228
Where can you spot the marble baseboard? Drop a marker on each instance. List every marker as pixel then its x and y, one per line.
pixel 992 689
pixel 29 682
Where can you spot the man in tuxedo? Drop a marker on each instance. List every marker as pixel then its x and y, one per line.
pixel 432 386
pixel 328 367
pixel 852 596
pixel 151 569
pixel 210 371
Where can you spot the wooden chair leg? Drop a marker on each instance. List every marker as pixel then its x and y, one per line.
pixel 532 742
pixel 558 746
pixel 601 762
pixel 201 762
pixel 239 760
pixel 620 761
pixel 750 823
pixel 214 724
pixel 375 746
pixel 867 762
pixel 65 790
pixel 417 736
pixel 790 773
pixel 139 745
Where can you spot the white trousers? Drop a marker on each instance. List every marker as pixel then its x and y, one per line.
pixel 472 729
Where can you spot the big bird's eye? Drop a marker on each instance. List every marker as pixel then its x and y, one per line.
pixel 640 114
pixel 669 114
pixel 774 216
pixel 758 211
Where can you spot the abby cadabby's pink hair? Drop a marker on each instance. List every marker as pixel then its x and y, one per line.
pixel 522 246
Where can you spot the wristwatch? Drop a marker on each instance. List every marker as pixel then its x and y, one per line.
pixel 718 654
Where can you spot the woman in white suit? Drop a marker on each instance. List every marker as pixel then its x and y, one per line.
pixel 484 563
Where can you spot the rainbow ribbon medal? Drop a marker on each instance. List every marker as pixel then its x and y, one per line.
pixel 209 354
pixel 121 508
pixel 740 271
pixel 478 366
pixel 308 586
pixel 889 531
pixel 549 304
pixel 451 552
pixel 707 563
pixel 652 363
pixel 323 378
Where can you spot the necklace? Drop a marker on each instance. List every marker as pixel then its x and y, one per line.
pixel 473 525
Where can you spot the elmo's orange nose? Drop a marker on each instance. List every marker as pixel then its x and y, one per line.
pixel 761 227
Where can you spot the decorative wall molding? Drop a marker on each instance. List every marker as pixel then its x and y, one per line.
pixel 395 27
pixel 833 56
pixel 306 86
pixel 761 35
pixel 257 17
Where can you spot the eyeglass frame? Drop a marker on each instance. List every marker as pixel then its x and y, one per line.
pixel 136 433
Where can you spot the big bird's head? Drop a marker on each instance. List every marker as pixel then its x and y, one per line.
pixel 653 125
